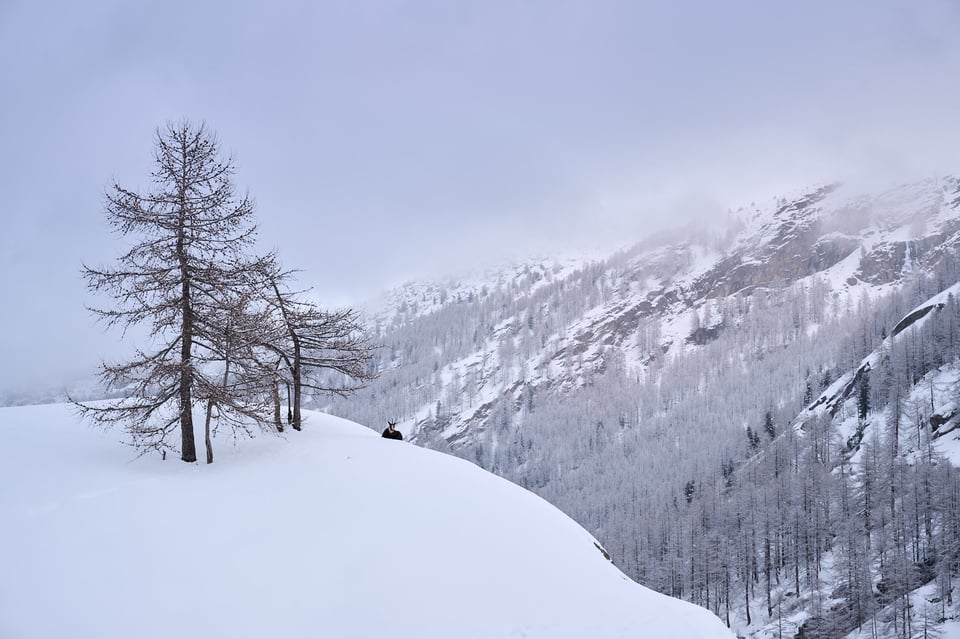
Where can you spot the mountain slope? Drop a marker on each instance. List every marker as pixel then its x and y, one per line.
pixel 543 328
pixel 634 392
pixel 333 532
pixel 870 461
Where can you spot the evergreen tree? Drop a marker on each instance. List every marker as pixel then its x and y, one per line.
pixel 768 426
pixel 863 395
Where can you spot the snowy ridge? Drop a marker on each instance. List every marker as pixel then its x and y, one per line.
pixel 418 298
pixel 645 302
pixel 841 390
pixel 333 532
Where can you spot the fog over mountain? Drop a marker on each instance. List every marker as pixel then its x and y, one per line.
pixel 387 141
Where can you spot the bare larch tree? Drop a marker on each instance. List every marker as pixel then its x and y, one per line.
pixel 323 351
pixel 188 277
pixel 241 395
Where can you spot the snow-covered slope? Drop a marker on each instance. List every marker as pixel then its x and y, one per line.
pixel 333 532
pixel 914 431
pixel 542 327
pixel 416 299
pixel 633 391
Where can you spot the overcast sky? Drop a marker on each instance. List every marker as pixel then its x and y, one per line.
pixel 390 140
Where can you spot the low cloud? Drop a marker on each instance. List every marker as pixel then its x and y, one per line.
pixel 397 140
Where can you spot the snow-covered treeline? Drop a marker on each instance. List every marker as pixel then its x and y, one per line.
pixel 659 398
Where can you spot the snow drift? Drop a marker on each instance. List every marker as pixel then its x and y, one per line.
pixel 332 532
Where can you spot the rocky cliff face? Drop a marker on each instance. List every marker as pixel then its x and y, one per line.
pixel 851 243
pixel 651 302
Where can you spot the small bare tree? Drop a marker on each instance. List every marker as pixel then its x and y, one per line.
pixel 238 384
pixel 188 278
pixel 323 351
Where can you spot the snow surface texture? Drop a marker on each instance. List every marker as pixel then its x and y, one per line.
pixel 332 532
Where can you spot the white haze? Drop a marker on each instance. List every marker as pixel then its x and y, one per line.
pixel 390 140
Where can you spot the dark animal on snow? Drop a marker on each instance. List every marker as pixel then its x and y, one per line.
pixel 392 433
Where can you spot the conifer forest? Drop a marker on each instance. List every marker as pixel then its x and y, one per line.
pixel 768 445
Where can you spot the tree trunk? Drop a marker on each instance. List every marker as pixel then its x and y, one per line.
pixel 796 553
pixel 296 386
pixel 188 447
pixel 210 402
pixel 295 367
pixel 726 592
pixel 206 432
pixel 289 406
pixel 275 390
pixel 767 568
